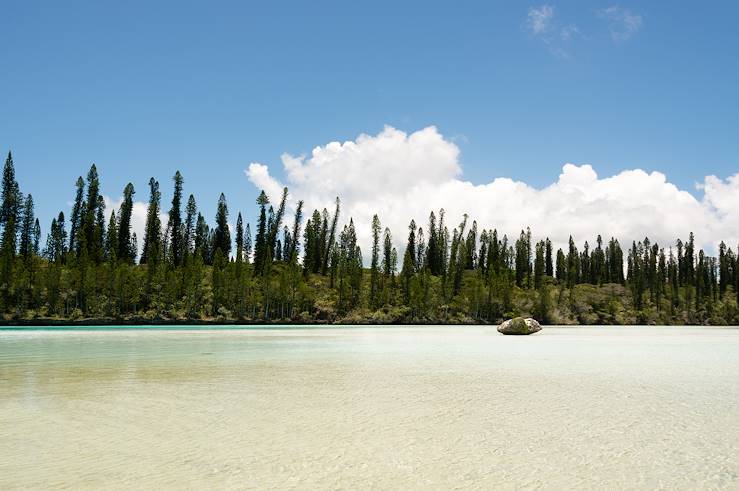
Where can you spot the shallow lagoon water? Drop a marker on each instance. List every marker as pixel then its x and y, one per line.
pixel 375 407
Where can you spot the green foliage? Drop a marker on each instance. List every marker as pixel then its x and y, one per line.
pixel 153 233
pixel 176 240
pixel 374 298
pixel 126 246
pixel 188 273
pixel 222 235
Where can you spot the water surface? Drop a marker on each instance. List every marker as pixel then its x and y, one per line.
pixel 400 407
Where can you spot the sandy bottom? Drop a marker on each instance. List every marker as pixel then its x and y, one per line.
pixel 403 408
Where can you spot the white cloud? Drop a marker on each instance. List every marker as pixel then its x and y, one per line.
pixel 401 176
pixel 539 19
pixel 621 22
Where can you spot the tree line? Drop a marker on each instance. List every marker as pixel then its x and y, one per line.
pixel 190 269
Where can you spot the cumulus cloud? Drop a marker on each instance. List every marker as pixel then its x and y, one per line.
pixel 621 22
pixel 403 176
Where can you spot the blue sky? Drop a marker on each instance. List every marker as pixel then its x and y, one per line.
pixel 209 87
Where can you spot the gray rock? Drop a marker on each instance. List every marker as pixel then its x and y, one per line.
pixel 519 325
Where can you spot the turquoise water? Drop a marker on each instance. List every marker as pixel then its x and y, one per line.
pixel 385 407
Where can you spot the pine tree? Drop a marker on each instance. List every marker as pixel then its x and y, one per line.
pixel 393 263
pixel 9 218
pixel 134 242
pixel 222 238
pixel 27 222
pixel 36 237
pixel 312 248
pixel 672 273
pixel 331 236
pixel 274 228
pixel 375 264
pixel 421 249
pixel 523 259
pixel 111 239
pixel 56 241
pixel 615 262
pixel 561 267
pixel 406 274
pixel 175 222
pixel 432 249
pixel 585 270
pixel 442 244
pixel 284 245
pixel 482 259
pixel 348 268
pixel 494 256
pixel 91 236
pixel 387 259
pixel 688 266
pixel 314 245
pixel 190 217
pixel 294 246
pixel 78 211
pixel 411 248
pixel 278 250
pixel 573 265
pixel 548 267
pixel 99 230
pixel 636 275
pixel 680 262
pixel 529 260
pixel 11 205
pixel 457 257
pixel 153 232
pixel 247 244
pixel 260 248
pixel 471 247
pixel 239 238
pixel 661 277
pixel 218 280
pixel 10 193
pixel 50 249
pixel 126 251
pixel 323 245
pixel 201 239
pixel 723 268
pixel 539 264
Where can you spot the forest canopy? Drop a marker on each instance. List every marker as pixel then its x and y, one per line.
pixel 92 266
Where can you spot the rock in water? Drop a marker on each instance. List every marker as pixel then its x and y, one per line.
pixel 519 325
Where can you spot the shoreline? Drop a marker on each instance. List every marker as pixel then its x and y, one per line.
pixel 141 322
pixel 16 324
